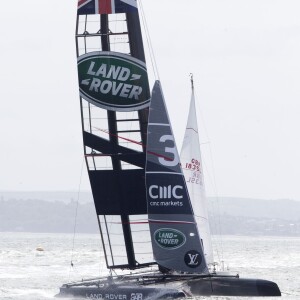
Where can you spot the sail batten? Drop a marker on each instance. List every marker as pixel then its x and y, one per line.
pixel 170 222
pixel 173 173
pixel 159 124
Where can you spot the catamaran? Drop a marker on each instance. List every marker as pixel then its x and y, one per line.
pixel 153 224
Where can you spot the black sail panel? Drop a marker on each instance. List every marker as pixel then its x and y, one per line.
pixel 131 190
pixel 175 238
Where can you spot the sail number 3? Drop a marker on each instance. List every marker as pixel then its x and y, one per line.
pixel 166 161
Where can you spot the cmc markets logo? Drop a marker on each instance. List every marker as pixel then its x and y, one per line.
pixel 193 259
pixel 169 238
pixel 114 81
pixel 165 192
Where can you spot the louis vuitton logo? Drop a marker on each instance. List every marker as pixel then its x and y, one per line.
pixel 193 259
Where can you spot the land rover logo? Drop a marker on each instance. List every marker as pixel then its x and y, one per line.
pixel 113 81
pixel 169 238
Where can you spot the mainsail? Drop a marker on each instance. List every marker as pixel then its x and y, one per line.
pixel 114 100
pixel 175 238
pixel 192 168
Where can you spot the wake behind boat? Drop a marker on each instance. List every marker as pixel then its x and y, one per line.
pixel 152 217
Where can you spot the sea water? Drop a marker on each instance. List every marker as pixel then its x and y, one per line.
pixel 28 274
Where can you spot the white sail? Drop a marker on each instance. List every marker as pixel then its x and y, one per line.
pixel 192 168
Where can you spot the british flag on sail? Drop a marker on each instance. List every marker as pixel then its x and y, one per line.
pixel 91 7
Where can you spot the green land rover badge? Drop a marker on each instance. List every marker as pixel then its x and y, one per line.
pixel 113 81
pixel 169 238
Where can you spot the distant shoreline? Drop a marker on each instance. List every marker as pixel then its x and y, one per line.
pixel 55 213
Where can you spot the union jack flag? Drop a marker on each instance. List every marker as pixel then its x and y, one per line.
pixel 91 7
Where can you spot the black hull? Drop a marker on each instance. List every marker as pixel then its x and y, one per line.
pixel 233 287
pixel 117 292
pixel 159 286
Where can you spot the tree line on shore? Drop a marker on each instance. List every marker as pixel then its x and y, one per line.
pixel 227 216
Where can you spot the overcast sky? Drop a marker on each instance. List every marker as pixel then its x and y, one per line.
pixel 244 55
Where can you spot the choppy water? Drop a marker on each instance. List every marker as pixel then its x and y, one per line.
pixel 29 275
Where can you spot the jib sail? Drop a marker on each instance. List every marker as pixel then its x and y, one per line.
pixel 175 238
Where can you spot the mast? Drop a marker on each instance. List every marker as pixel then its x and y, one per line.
pixel 114 127
pixel 192 82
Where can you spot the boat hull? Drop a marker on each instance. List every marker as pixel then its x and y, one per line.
pixel 169 286
pixel 116 292
pixel 233 287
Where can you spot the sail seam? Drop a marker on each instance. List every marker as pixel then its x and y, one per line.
pixel 170 221
pixel 159 124
pixel 154 172
pixel 192 129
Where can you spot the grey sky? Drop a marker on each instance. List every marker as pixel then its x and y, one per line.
pixel 245 59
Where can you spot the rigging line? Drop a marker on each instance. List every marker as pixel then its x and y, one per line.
pixel 169 222
pixel 213 179
pixel 135 142
pixel 120 137
pixel 85 25
pixel 75 221
pixel 218 203
pixel 131 222
pixel 214 221
pixel 152 56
